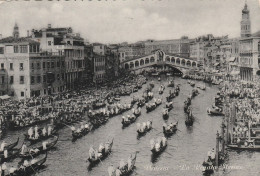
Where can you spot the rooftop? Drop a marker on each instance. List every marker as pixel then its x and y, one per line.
pixel 17 40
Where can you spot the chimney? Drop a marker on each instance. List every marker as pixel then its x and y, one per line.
pixel 28 33
pixel 49 25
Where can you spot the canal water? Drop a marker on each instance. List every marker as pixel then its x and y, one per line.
pixel 183 156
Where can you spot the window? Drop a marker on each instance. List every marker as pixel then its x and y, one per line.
pixel 11 79
pixel 62 76
pixel 22 94
pixel 44 78
pixel 32 80
pixel 49 43
pixel 58 64
pixel 21 66
pixel 38 79
pixel 32 66
pixel 44 91
pixel 2 79
pixel 43 65
pixel 58 77
pixel 11 66
pixel 16 49
pixel 52 65
pixel 1 50
pixel 24 49
pixel 48 65
pixel 12 93
pixel 38 65
pixel 21 79
pixel 2 66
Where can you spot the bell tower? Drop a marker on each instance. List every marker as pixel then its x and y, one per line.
pixel 16 31
pixel 245 23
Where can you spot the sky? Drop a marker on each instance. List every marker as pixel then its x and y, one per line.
pixel 115 21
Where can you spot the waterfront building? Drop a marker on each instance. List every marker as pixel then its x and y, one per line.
pixel 99 74
pixel 67 43
pixel 127 52
pixel 179 47
pixel 26 71
pixel 99 48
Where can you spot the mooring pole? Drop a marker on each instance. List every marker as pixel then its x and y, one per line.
pixel 222 137
pixel 217 148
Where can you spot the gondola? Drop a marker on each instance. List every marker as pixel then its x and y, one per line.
pixel 138 113
pixel 244 148
pixel 146 129
pixel 156 153
pixel 165 115
pixel 40 138
pixel 169 106
pixel 169 131
pixel 126 170
pixel 214 112
pixel 104 155
pixel 40 149
pixel 150 108
pixel 13 153
pixel 10 146
pixel 189 121
pixel 30 169
pixel 82 132
pixel 171 83
pixel 129 121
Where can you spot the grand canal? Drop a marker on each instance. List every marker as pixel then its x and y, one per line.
pixel 184 155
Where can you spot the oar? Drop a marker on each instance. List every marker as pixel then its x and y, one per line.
pixel 66 125
pixel 159 133
pixel 179 130
pixel 168 153
pixel 100 161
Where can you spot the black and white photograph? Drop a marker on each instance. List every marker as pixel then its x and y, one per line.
pixel 129 88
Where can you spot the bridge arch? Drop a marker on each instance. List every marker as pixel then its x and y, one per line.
pixel 167 59
pixel 152 59
pixel 137 63
pixel 173 60
pixel 131 65
pixel 146 61
pixel 183 62
pixel 126 66
pixel 194 64
pixel 141 62
pixel 178 61
pixel 188 63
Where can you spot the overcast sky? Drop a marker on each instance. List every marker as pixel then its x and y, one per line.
pixel 131 20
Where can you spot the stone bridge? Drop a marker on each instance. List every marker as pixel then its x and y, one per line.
pixel 158 59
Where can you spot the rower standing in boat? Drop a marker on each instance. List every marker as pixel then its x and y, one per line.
pixel 44 131
pixel 24 148
pixel 4 168
pixel 5 154
pixel 49 130
pixel 3 146
pixel 44 145
pixel 101 149
pixel 30 132
pixel 36 134
pixel 12 170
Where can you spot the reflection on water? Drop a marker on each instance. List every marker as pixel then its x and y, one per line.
pixel 186 149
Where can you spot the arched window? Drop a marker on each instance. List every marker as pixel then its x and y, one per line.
pixel 183 62
pixel 141 62
pixel 167 59
pixel 136 63
pixel 131 65
pixel 152 59
pixel 178 61
pixel 126 66
pixel 173 60
pixel 146 61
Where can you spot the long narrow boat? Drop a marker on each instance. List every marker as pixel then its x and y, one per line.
pixel 103 156
pixel 40 138
pixel 81 133
pixel 11 155
pixel 244 148
pixel 170 129
pixel 126 170
pixel 30 169
pixel 40 149
pixel 10 146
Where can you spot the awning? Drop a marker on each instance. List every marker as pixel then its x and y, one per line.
pixel 4 97
pixel 234 72
pixel 231 59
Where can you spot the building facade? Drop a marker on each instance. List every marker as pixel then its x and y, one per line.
pixel 64 42
pixel 25 72
pixel 178 46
